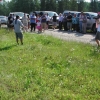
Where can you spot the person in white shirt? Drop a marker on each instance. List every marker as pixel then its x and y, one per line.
pixel 97 37
pixel 60 21
pixel 25 21
pixel 47 19
pixel 38 17
pixel 33 22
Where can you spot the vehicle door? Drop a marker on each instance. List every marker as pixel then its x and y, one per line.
pixel 89 20
pixel 92 17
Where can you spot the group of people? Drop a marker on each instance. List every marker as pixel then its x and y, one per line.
pixel 40 22
pixel 73 23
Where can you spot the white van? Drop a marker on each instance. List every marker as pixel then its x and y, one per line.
pixel 50 13
pixel 20 14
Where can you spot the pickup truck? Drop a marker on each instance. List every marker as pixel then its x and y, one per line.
pixel 91 22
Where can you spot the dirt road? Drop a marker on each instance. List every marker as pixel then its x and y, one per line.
pixel 72 36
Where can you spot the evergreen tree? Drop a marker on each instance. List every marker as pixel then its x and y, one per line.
pixel 94 6
pixel 50 5
pixel 73 5
pixel 81 6
pixel 42 5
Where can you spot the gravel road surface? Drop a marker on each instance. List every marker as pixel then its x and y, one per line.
pixel 72 36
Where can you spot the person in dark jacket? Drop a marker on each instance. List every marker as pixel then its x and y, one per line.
pixel 69 22
pixel 54 18
pixel 65 22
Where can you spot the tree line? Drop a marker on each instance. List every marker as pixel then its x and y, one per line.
pixel 48 5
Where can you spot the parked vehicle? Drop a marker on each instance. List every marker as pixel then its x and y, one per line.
pixel 91 23
pixel 3 19
pixel 72 12
pixel 20 14
pixel 50 13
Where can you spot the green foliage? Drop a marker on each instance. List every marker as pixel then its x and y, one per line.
pixel 47 68
pixel 47 5
pixel 94 6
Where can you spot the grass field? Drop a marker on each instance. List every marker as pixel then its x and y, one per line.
pixel 47 68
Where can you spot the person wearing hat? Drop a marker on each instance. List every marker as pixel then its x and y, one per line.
pixel 97 37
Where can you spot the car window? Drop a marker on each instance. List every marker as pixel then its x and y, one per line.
pixel 2 17
pixel 45 12
pixel 93 14
pixel 85 14
pixel 52 13
pixel 70 13
pixel 78 14
pixel 20 14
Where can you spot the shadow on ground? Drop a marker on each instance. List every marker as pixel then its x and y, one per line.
pixel 7 47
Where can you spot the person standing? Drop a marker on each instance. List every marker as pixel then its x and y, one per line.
pixel 38 26
pixel 25 21
pixel 47 20
pixel 33 22
pixel 54 18
pixel 97 37
pixel 17 28
pixel 60 21
pixel 38 17
pixel 75 23
pixel 43 22
pixel 84 24
pixel 80 21
pixel 65 22
pixel 28 21
pixel 10 21
pixel 69 22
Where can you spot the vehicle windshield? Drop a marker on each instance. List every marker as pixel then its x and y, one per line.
pixel 19 14
pixel 52 13
pixel 70 13
pixel 2 17
pixel 93 14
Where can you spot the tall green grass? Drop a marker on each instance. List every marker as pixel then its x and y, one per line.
pixel 47 68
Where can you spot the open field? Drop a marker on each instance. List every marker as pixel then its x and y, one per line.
pixel 47 68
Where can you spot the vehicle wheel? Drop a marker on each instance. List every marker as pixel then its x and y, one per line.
pixel 94 30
